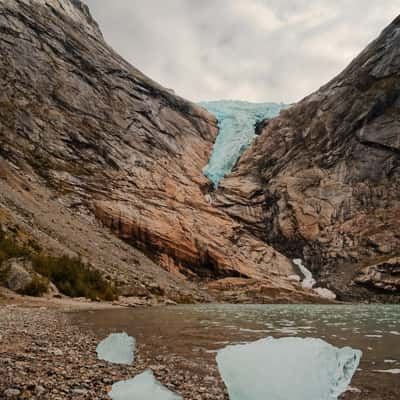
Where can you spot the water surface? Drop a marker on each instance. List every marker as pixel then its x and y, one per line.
pixel 196 332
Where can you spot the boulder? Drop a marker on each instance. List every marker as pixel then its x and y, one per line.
pixel 19 274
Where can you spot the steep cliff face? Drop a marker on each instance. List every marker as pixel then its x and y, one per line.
pixel 87 138
pixel 322 181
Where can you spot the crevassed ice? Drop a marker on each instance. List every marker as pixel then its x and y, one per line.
pixel 237 121
pixel 117 348
pixel 142 387
pixel 287 369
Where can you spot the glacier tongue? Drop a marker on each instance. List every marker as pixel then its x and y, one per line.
pixel 237 121
pixel 287 369
pixel 117 348
pixel 142 387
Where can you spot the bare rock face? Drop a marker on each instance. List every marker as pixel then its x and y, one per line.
pixel 322 181
pixel 383 276
pixel 85 138
pixel 256 291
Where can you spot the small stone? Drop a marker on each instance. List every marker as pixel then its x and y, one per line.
pixel 56 352
pixel 39 390
pixel 10 393
pixel 78 392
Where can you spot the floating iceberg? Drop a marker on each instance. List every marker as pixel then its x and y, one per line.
pixel 237 121
pixel 142 387
pixel 287 369
pixel 117 348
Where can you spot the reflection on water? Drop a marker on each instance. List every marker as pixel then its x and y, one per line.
pixel 198 331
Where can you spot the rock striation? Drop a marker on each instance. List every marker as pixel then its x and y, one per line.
pixel 383 276
pixel 322 181
pixel 99 161
pixel 89 145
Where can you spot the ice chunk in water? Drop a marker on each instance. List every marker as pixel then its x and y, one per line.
pixel 117 348
pixel 287 369
pixel 142 387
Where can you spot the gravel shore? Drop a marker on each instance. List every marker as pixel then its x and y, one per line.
pixel 43 356
pixel 46 354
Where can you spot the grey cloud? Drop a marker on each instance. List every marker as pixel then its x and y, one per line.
pixel 256 50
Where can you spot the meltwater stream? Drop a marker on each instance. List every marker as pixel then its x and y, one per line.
pixel 237 120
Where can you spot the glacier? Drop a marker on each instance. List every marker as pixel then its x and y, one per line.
pixel 236 120
pixel 287 369
pixel 142 387
pixel 117 348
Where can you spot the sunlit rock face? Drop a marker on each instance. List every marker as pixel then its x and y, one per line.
pixel 237 121
pixel 124 151
pixel 287 369
pixel 117 348
pixel 142 387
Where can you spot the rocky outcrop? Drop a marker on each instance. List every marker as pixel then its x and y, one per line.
pixel 322 181
pixel 87 138
pixel 383 276
pixel 92 151
pixel 18 274
pixel 262 291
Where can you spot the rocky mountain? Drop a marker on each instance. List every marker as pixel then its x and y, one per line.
pixel 92 151
pixel 98 161
pixel 322 181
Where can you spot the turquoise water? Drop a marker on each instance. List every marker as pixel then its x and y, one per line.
pixel 237 121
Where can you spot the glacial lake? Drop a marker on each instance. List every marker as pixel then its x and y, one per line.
pixel 196 332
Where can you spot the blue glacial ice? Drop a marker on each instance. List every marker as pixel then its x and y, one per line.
pixel 142 387
pixel 117 348
pixel 287 369
pixel 236 121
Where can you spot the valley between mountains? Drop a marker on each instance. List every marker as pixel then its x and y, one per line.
pixel 100 163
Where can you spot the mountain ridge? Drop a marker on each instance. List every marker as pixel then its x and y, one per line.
pixel 322 179
pixel 106 149
pixel 99 161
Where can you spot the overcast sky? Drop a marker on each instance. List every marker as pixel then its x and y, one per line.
pixel 255 50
